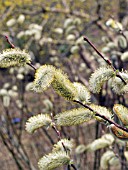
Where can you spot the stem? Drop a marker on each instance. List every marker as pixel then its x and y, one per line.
pixel 32 66
pixel 11 150
pixel 13 46
pixel 96 158
pixel 68 167
pixel 48 136
pixel 9 42
pixel 106 60
pixel 57 132
pixel 102 116
pixel 73 166
pixel 117 75
pixel 59 137
pixel 92 45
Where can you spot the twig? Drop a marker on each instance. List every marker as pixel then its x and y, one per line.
pixel 102 116
pixel 58 132
pixel 92 45
pixel 7 38
pixel 48 136
pixel 57 11
pixel 11 150
pixel 106 60
pixel 59 137
pixel 73 166
pixel 13 46
pixel 68 167
pixel 32 66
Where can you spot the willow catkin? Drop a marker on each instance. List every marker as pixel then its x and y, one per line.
pixel 14 57
pixel 99 77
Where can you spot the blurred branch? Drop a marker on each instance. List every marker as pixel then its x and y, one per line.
pixel 6 13
pixel 56 10
pixel 85 57
pixel 11 151
pixel 48 136
pixel 64 2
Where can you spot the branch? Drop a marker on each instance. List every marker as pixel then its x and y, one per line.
pixel 59 137
pixel 56 10
pixel 57 132
pixel 102 116
pixel 73 166
pixel 9 42
pixel 32 66
pixel 48 136
pixel 13 46
pixel 106 60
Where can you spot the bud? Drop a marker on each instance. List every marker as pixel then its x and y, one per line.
pixel 122 113
pixel 20 76
pixel 119 133
pixel 3 92
pixel 21 19
pixel 124 56
pixel 20 34
pixel 71 37
pixel 38 121
pixel 6 101
pixel 77 21
pixel 122 42
pixel 58 30
pixel 11 22
pixel 81 149
pixel 74 49
pixel 68 22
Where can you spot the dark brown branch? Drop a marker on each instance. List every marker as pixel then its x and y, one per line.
pixel 13 46
pixel 32 66
pixel 68 167
pixel 117 75
pixel 73 166
pixel 59 137
pixel 106 60
pixel 48 136
pixel 57 132
pixel 56 10
pixel 11 150
pixel 102 116
pixel 9 42
pixel 92 45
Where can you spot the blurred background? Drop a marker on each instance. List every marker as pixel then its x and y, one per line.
pixel 52 32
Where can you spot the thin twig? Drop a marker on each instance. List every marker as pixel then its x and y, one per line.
pixel 32 66
pixel 13 46
pixel 92 45
pixel 57 132
pixel 102 116
pixel 48 136
pixel 68 167
pixel 59 137
pixel 57 11
pixel 73 166
pixel 9 42
pixel 106 60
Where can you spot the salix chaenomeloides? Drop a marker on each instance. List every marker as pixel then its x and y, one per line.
pixel 48 76
pixel 14 57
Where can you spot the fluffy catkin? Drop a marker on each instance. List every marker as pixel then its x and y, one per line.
pixel 14 57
